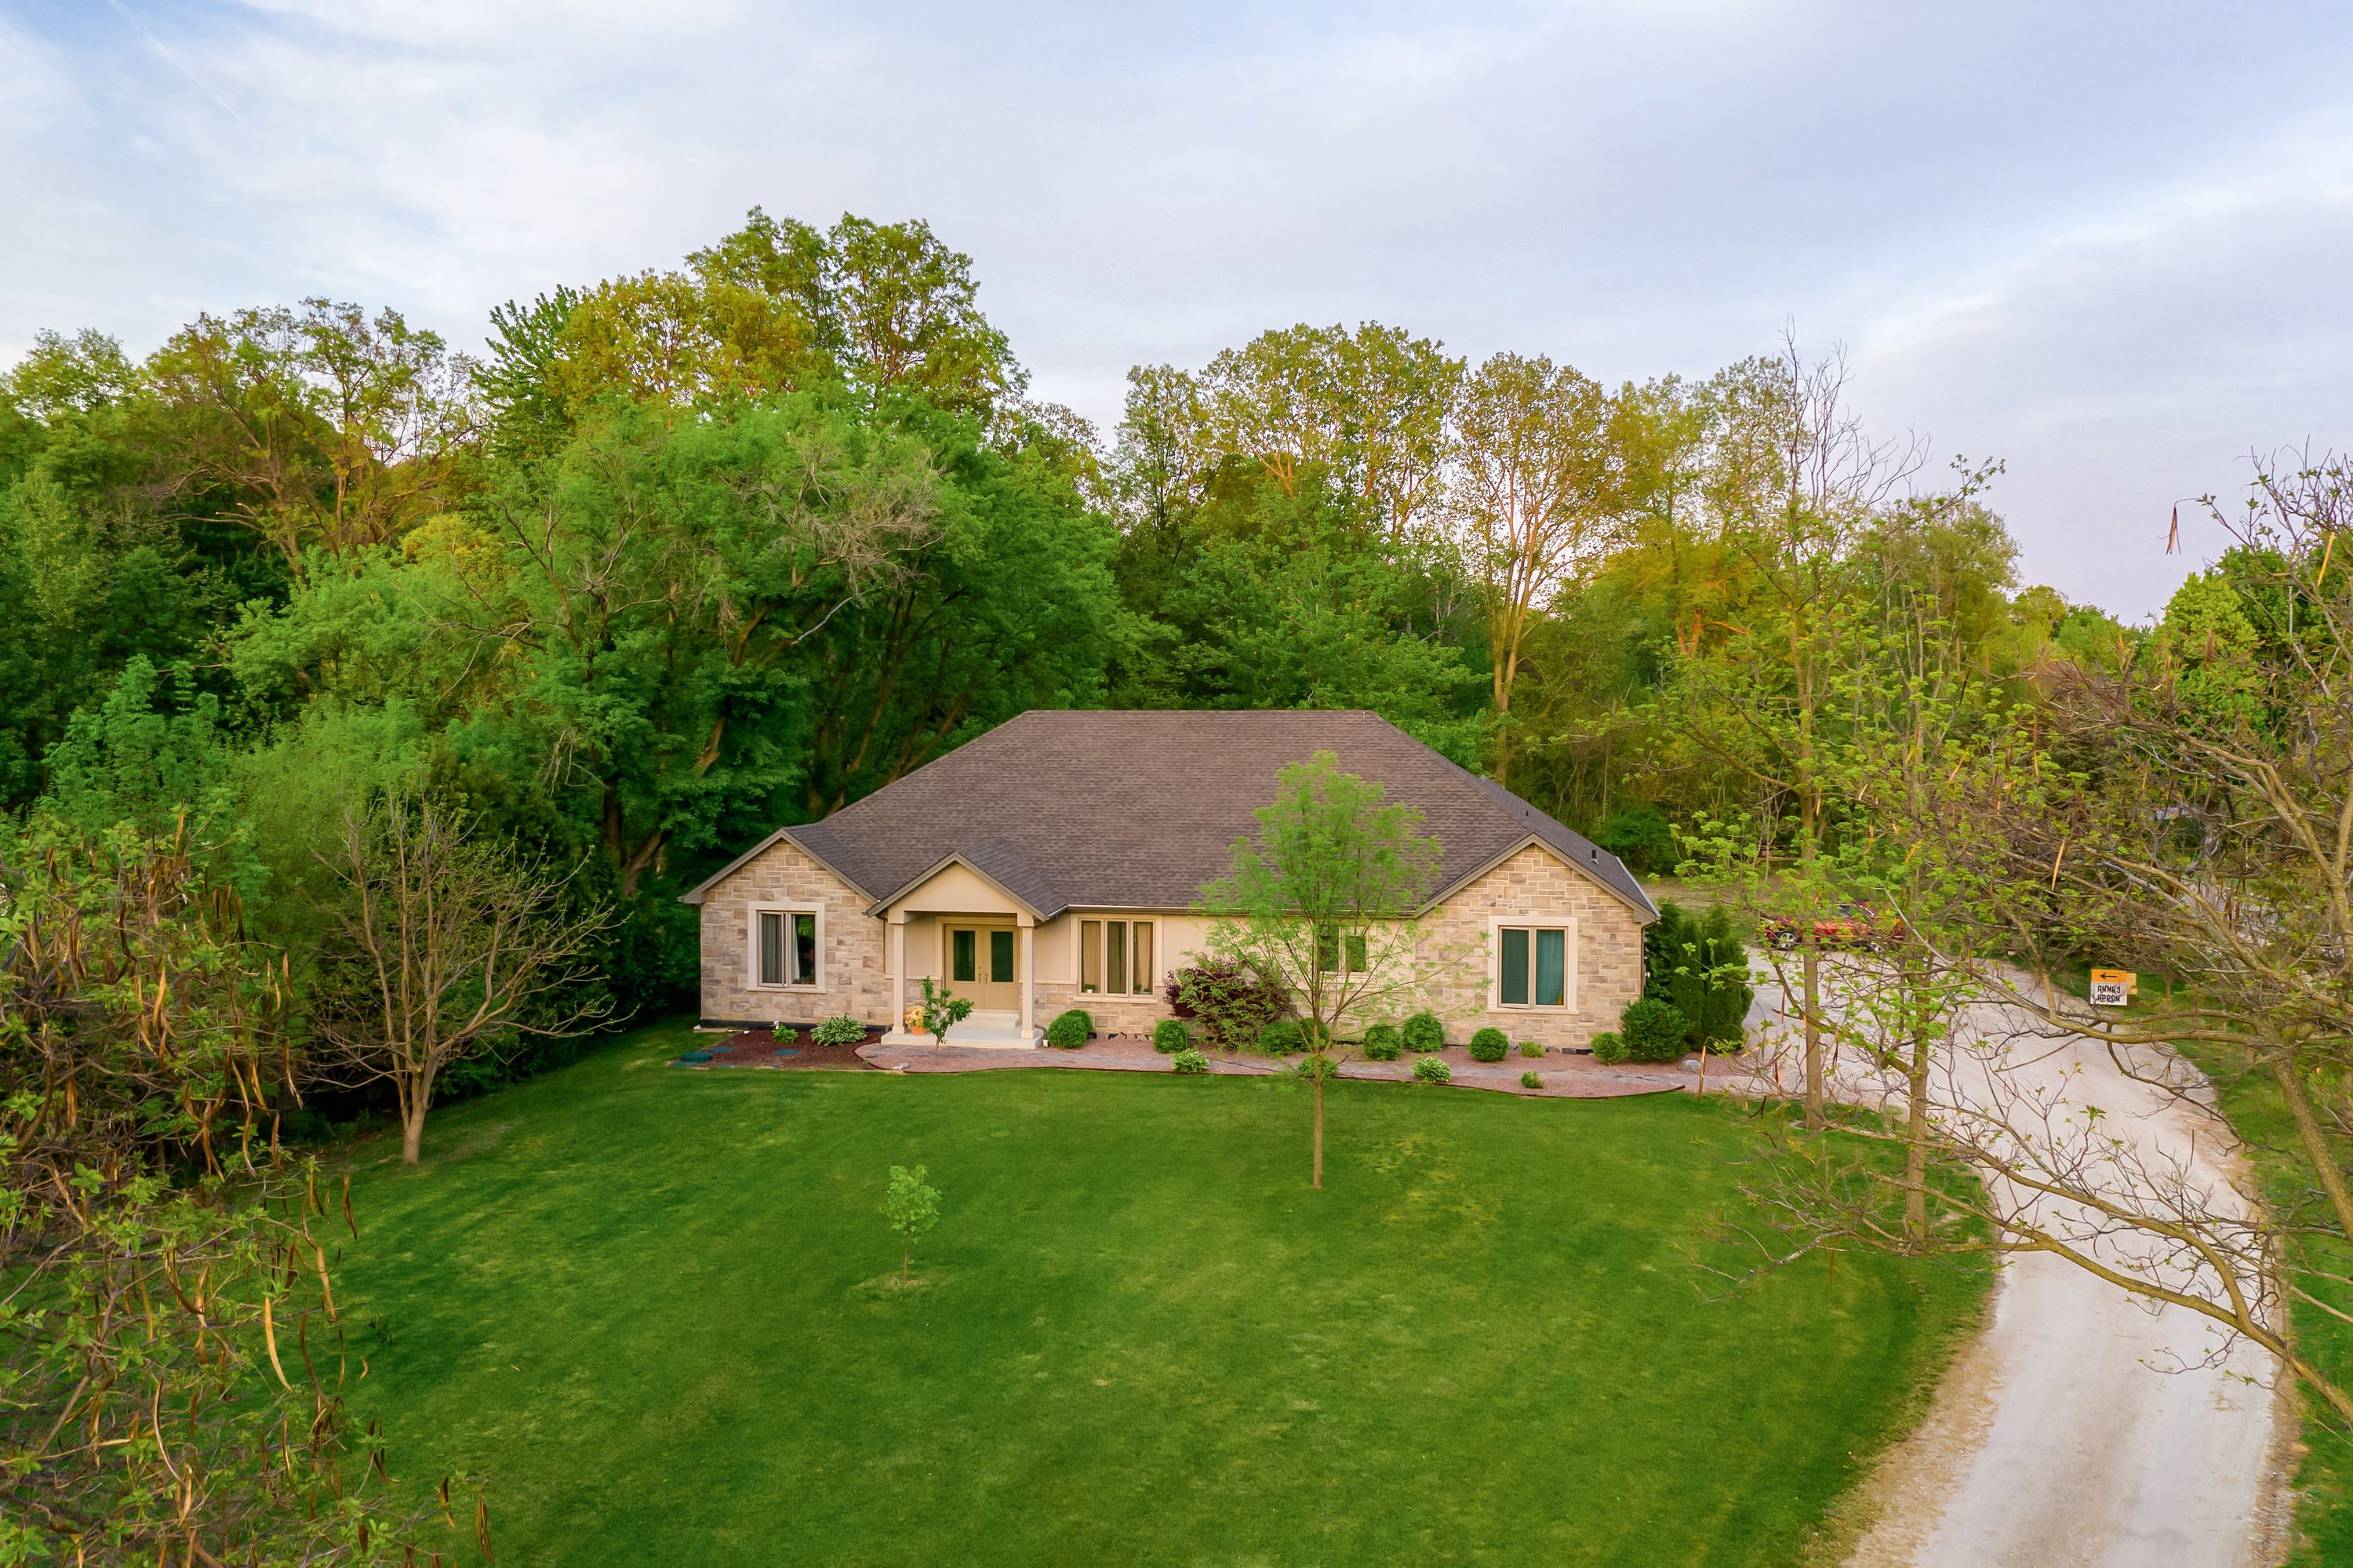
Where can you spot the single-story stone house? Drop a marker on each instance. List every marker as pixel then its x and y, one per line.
pixel 1057 861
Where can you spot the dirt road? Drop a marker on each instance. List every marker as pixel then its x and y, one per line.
pixel 2061 1439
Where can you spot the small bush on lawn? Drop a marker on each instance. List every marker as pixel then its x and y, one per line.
pixel 781 1036
pixel 1281 1038
pixel 1070 1031
pixel 1609 1046
pixel 1431 1070
pixel 839 1029
pixel 1383 1044
pixel 1531 1081
pixel 1188 1062
pixel 1424 1033
pixel 1170 1036
pixel 1653 1030
pixel 1490 1045
pixel 1531 1048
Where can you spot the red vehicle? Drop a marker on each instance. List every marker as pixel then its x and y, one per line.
pixel 1855 925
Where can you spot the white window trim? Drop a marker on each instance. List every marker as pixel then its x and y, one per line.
pixel 1566 924
pixel 752 979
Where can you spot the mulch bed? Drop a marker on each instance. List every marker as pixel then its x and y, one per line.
pixel 758 1048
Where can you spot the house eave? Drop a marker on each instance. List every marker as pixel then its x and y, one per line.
pixel 1644 909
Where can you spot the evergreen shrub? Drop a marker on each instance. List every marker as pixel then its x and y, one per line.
pixel 1281 1038
pixel 1071 1031
pixel 1609 1046
pixel 1424 1033
pixel 1531 1081
pixel 1531 1048
pixel 1490 1045
pixel 1383 1044
pixel 1170 1036
pixel 1653 1030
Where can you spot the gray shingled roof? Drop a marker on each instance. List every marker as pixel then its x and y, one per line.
pixel 1136 810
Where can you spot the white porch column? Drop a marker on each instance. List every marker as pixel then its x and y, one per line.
pixel 898 970
pixel 1029 973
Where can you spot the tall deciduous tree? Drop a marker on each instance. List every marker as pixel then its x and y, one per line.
pixel 1320 904
pixel 440 943
pixel 1537 483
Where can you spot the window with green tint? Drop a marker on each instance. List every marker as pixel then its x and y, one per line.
pixel 1000 956
pixel 805 950
pixel 1552 968
pixel 962 966
pixel 1515 969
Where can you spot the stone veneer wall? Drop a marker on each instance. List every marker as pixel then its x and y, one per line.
pixel 1535 884
pixel 852 963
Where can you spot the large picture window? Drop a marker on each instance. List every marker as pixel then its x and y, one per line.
pixel 785 946
pixel 1115 958
pixel 1532 966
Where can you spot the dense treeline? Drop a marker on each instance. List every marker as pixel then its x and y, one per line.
pixel 691 553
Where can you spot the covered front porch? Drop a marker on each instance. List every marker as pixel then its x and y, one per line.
pixel 963 929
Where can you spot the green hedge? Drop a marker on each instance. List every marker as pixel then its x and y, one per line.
pixel 1071 1031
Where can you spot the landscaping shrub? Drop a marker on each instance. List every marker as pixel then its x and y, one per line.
pixel 1071 1031
pixel 1653 1030
pixel 1490 1045
pixel 1698 966
pixel 839 1029
pixel 1531 1081
pixel 1188 1062
pixel 1609 1046
pixel 1383 1044
pixel 1231 1003
pixel 1531 1048
pixel 1169 1036
pixel 1431 1070
pixel 781 1036
pixel 1424 1033
pixel 1281 1038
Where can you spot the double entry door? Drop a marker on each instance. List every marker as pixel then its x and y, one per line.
pixel 981 965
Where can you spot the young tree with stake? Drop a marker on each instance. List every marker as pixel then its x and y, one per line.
pixel 913 1209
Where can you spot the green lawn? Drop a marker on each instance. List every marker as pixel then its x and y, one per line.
pixel 2252 1104
pixel 644 1302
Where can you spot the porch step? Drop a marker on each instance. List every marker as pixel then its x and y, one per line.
pixel 988 1031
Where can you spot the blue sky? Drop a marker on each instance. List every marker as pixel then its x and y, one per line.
pixel 2106 243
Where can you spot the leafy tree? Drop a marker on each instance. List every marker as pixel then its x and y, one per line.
pixel 164 1256
pixel 913 1210
pixel 1537 496
pixel 1320 903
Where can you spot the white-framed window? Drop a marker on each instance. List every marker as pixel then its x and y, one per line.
pixel 1115 958
pixel 1532 961
pixel 787 943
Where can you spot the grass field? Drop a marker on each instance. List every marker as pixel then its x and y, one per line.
pixel 2324 1482
pixel 647 1304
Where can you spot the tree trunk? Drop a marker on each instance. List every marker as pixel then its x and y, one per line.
pixel 412 1131
pixel 1916 1132
pixel 2315 1140
pixel 1319 1124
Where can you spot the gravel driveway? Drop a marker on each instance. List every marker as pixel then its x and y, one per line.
pixel 2058 1439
